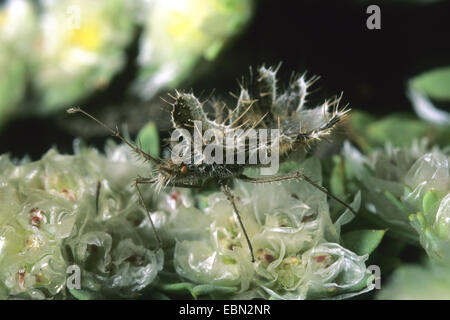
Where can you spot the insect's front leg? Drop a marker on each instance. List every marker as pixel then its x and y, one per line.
pixel 227 191
pixel 295 175
pixel 136 184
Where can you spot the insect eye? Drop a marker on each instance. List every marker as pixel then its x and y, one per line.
pixel 183 169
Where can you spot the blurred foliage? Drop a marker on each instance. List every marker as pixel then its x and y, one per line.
pixel 415 282
pixel 179 32
pixel 435 83
pixel 79 46
pixel 363 241
pixel 63 52
pixel 148 139
pixel 400 129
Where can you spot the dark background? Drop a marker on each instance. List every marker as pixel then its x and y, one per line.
pixel 327 38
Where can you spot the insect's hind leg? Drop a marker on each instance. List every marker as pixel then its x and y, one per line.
pixel 226 190
pixel 295 175
pixel 136 184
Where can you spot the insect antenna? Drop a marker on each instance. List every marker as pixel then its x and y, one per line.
pixel 169 103
pixel 116 133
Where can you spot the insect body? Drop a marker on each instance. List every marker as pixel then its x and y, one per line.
pixel 261 106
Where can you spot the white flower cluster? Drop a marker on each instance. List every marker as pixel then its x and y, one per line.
pixel 180 32
pixel 50 220
pixel 408 190
pixel 297 247
pixel 69 49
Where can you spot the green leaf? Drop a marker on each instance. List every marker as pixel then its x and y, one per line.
pixel 178 288
pixel 363 241
pixel 337 178
pixel 430 205
pixel 156 295
pixel 396 202
pixel 206 289
pixel 84 294
pixel 399 129
pixel 196 290
pixel 359 121
pixel 435 83
pixel 148 139
pixel 289 166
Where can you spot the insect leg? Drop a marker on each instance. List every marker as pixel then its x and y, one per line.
pixel 226 190
pixel 97 196
pixel 136 183
pixel 295 175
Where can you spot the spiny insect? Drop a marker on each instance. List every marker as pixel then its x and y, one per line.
pixel 259 106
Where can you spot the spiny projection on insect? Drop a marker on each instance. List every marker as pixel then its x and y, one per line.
pixel 260 105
